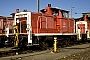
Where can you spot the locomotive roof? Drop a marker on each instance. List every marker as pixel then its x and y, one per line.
pixel 86 13
pixel 54 9
pixel 59 9
pixel 3 17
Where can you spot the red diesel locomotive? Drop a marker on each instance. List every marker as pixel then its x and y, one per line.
pixel 41 28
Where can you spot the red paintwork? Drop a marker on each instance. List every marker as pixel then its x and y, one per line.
pixel 55 24
pixel 46 22
pixel 82 28
pixel 4 21
pixel 71 26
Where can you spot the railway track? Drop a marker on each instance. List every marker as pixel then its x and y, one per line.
pixel 46 55
pixel 11 51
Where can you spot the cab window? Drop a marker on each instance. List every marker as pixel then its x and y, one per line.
pixel 64 14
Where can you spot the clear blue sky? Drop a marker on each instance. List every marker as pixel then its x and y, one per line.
pixel 9 6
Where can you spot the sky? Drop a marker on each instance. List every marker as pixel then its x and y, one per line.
pixel 80 6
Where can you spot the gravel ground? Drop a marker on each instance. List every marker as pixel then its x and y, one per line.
pixel 78 52
pixel 85 55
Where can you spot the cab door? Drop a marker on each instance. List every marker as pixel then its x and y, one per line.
pixel 22 25
pixel 81 27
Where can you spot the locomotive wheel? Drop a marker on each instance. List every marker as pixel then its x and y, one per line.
pixel 43 45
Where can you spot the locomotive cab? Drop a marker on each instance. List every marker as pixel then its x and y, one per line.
pixel 55 11
pixel 23 21
pixel 83 27
pixel 61 19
